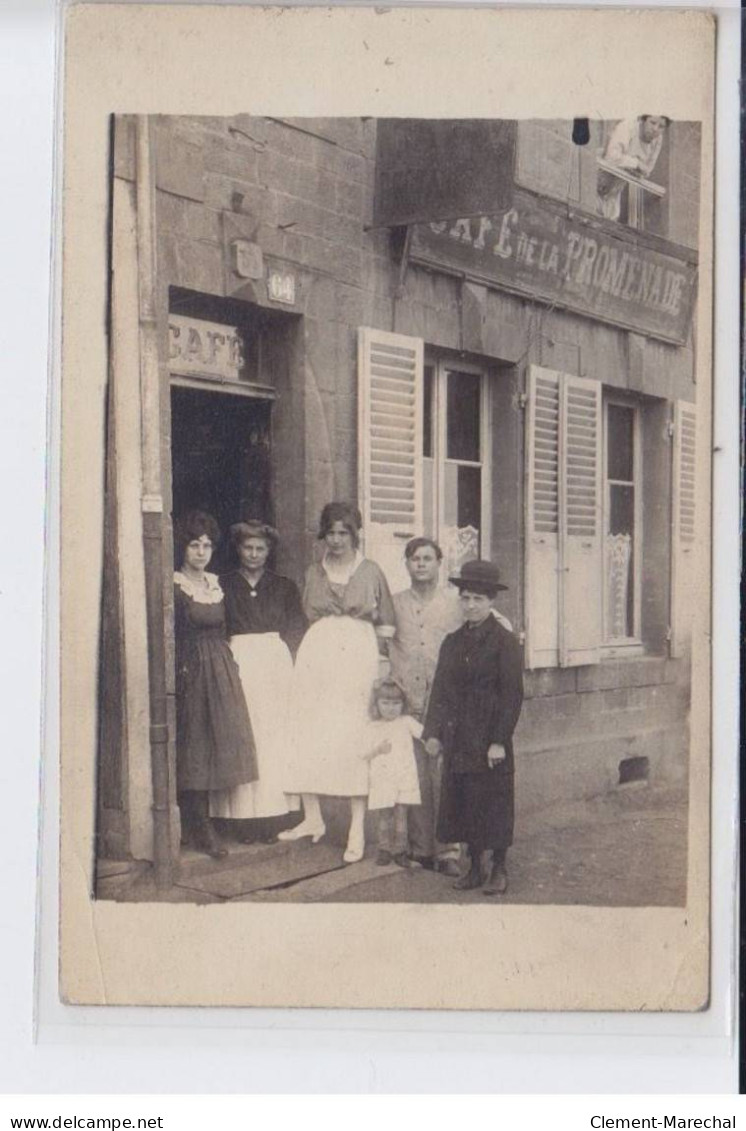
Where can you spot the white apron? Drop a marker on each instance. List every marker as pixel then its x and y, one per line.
pixel 335 669
pixel 266 670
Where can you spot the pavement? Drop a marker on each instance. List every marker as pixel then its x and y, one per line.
pixel 627 848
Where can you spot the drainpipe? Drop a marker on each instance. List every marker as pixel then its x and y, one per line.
pixel 152 504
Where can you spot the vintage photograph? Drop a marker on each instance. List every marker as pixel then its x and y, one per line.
pixel 399 511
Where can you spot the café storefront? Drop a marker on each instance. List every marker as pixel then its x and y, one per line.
pixel 518 384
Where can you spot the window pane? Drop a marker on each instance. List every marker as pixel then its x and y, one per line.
pixel 620 579
pixel 427 412
pixel 620 458
pixel 621 509
pixel 463 417
pixel 462 508
pixel 469 496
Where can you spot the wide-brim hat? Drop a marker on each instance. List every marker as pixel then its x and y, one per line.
pixel 479 576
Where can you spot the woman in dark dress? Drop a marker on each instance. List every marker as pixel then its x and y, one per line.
pixel 473 710
pixel 266 623
pixel 214 739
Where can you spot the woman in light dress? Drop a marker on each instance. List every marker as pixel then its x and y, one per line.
pixel 349 606
pixel 265 623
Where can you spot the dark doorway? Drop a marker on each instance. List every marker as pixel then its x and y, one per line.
pixel 220 455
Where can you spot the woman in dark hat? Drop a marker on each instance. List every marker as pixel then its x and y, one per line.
pixel 473 710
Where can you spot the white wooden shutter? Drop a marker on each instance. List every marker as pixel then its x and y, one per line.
pixel 542 518
pixel 683 528
pixel 581 534
pixel 390 390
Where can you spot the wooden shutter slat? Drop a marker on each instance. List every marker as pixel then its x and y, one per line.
pixel 390 393
pixel 581 544
pixel 683 530
pixel 542 516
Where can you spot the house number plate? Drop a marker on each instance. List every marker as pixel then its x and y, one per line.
pixel 281 287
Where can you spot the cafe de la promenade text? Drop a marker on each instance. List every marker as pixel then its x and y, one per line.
pixel 579 258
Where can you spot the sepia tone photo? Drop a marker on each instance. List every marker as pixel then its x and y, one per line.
pixel 399 522
pixel 386 462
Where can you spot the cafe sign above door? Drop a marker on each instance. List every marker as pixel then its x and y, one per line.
pixel 204 349
pixel 570 260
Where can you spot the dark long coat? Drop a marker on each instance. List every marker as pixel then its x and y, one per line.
pixel 476 701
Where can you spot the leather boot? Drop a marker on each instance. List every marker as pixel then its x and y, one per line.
pixel 205 837
pixel 472 879
pixel 497 882
pixel 187 815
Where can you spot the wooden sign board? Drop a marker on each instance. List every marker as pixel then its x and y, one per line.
pixel 204 349
pixel 440 169
pixel 572 260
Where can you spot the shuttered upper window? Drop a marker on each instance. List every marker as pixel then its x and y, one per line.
pixel 584 496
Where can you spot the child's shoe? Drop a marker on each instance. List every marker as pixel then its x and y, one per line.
pixel 402 859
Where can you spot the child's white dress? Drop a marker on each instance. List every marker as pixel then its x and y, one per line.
pixel 393 776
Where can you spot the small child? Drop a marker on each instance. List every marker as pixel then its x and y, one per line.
pixel 393 770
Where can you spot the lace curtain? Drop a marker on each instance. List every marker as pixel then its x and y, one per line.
pixel 618 568
pixel 459 544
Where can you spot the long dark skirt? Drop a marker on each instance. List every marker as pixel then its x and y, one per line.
pixel 477 809
pixel 214 741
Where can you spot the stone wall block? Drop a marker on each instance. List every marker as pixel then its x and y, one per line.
pixel 321 353
pixel 179 165
pixel 642 672
pixel 299 216
pixel 200 266
pixel 349 199
pixel 349 304
pixel 343 164
pixel 320 296
pixel 379 275
pixel 276 171
pixel 295 143
pixel 343 229
pixel 335 259
pixel 186 218
pixel 238 161
pixel 506 331
pixel 549 681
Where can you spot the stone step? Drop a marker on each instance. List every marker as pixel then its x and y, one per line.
pixel 193 864
pixel 324 886
pixel 289 864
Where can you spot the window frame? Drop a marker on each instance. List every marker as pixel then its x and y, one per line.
pixel 442 365
pixel 616 647
pixel 634 195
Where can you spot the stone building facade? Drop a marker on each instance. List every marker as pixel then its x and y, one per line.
pixel 547 364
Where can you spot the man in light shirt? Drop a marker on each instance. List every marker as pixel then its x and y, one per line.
pixel 425 614
pixel 635 146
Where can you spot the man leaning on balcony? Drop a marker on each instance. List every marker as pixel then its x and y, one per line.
pixel 634 146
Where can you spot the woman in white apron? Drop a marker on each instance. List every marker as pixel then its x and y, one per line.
pixel 265 624
pixel 348 604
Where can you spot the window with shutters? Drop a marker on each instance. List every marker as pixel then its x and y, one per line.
pixel 456 466
pixel 599 469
